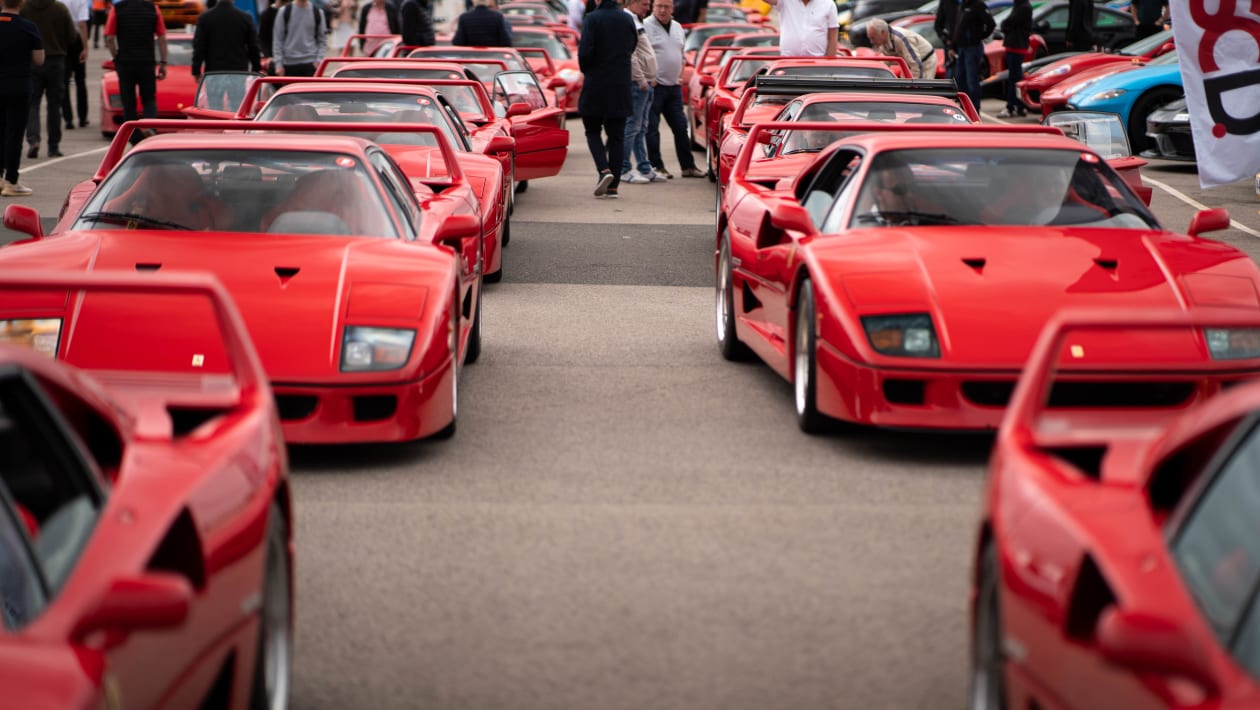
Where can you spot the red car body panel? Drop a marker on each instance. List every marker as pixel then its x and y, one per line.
pixel 221 479
pixel 174 93
pixel 1056 97
pixel 303 356
pixel 1068 68
pixel 923 268
pixel 1077 542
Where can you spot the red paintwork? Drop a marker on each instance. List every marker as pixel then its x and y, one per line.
pixel 174 92
pixel 1056 97
pixel 566 68
pixel 862 271
pixel 706 104
pixel 1031 88
pixel 351 47
pixel 303 356
pixel 1048 520
pixel 224 476
pixel 734 137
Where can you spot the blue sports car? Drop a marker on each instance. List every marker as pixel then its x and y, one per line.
pixel 1134 95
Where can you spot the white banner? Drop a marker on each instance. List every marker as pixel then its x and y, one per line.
pixel 1218 48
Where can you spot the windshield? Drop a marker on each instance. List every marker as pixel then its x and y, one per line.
pixel 1142 46
pixel 511 59
pixel 760 39
pixel 178 52
pixel 295 192
pixel 745 68
pixel 788 142
pixel 696 38
pixel 540 40
pixel 396 73
pixel 874 71
pixel 999 186
pixel 361 107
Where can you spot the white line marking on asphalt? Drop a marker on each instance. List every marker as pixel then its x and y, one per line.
pixel 54 161
pixel 1174 192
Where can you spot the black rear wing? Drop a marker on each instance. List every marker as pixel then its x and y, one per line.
pixel 797 85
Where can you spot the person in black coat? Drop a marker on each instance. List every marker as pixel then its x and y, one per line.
pixel 482 26
pixel 1080 28
pixel 608 40
pixel 973 27
pixel 946 18
pixel 1016 31
pixel 225 40
pixel 415 23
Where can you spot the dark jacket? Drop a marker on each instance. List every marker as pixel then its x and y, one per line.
pixel 974 25
pixel 225 40
pixel 136 26
pixel 56 28
pixel 482 27
pixel 415 23
pixel 1017 27
pixel 391 12
pixel 1080 29
pixel 266 25
pixel 946 18
pixel 608 41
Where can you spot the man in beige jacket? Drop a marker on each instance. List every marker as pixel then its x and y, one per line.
pixel 919 53
pixel 642 80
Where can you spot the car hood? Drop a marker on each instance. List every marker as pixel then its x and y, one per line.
pixel 294 292
pixel 991 289
pixel 1135 80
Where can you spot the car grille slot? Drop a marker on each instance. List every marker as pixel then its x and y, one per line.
pixel 1078 395
pixel 905 391
pixel 988 393
pixel 295 406
pixel 371 408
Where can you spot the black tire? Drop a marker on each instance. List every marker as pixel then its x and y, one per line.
pixel 522 186
pixel 448 431
pixel 709 165
pixel 274 661
pixel 473 350
pixel 507 230
pixel 1142 108
pixel 729 343
pixel 805 364
pixel 988 686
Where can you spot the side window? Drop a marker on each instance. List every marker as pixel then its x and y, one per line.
pixel 1102 18
pixel 821 194
pixel 1057 18
pixel 518 86
pixel 400 195
pixel 458 123
pixel 1217 546
pixel 50 499
pixel 789 113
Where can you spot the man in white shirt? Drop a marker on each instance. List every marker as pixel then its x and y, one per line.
pixel 76 64
pixel 807 27
pixel 667 38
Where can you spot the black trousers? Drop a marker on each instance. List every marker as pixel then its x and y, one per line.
pixel 47 82
pixel 14 108
pixel 78 71
pixel 299 69
pixel 133 77
pixel 615 151
pixel 667 101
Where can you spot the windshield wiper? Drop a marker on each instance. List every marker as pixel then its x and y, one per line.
pixel 908 217
pixel 128 217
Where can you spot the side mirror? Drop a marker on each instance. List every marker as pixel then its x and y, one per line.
pixel 156 600
pixel 455 229
pixel 501 144
pixel 1204 221
pixel 108 65
pixel 554 82
pixel 707 80
pixel 21 218
pixel 520 108
pixel 1149 644
pixel 766 137
pixel 786 215
pixel 723 103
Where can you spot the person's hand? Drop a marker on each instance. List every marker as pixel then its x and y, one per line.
pixel 161 72
pixel 279 69
pixel 643 86
pixel 951 55
pixel 83 56
pixel 196 73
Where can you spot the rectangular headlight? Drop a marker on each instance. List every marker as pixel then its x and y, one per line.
pixel 375 349
pixel 910 335
pixel 1233 343
pixel 38 334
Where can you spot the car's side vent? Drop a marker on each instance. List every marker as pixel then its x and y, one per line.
pixel 185 420
pixel 1090 596
pixel 1086 459
pixel 180 552
pixel 220 695
pixel 750 300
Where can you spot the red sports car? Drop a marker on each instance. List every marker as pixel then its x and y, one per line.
pixel 1117 560
pixel 361 322
pixel 146 548
pixel 902 277
pixel 1141 51
pixel 174 93
pixel 559 57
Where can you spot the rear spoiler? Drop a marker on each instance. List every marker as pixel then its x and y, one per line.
pixel 795 85
pixel 1025 414
pixel 120 144
pixel 754 134
pixel 526 52
pixel 251 94
pixel 250 385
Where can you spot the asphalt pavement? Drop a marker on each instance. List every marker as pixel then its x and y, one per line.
pixel 623 519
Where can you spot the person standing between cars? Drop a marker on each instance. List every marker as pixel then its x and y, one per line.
pixel 20 49
pixel 576 11
pixel 1150 16
pixel 225 40
pixel 690 12
pixel 974 26
pixel 134 33
pixel 299 39
pixel 807 28
pixel 604 51
pixel 482 26
pixel 100 10
pixel 57 32
pixel 667 40
pixel 379 17
pixel 1080 27
pixel 919 53
pixel 415 23
pixel 946 18
pixel 76 64
pixel 1016 30
pixel 642 81
pixel 266 30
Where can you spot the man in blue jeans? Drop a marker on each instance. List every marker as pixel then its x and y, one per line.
pixel 643 78
pixel 667 39
pixel 974 25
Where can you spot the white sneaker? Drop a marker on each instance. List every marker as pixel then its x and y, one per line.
pixel 635 178
pixel 655 176
pixel 15 189
pixel 665 173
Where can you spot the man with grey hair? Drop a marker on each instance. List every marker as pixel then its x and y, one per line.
pixel 919 53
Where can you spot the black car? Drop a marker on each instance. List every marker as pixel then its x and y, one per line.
pixel 1112 28
pixel 1168 131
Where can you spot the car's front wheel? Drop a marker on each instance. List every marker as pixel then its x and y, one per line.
pixel 987 672
pixel 274 662
pixel 728 341
pixel 805 363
